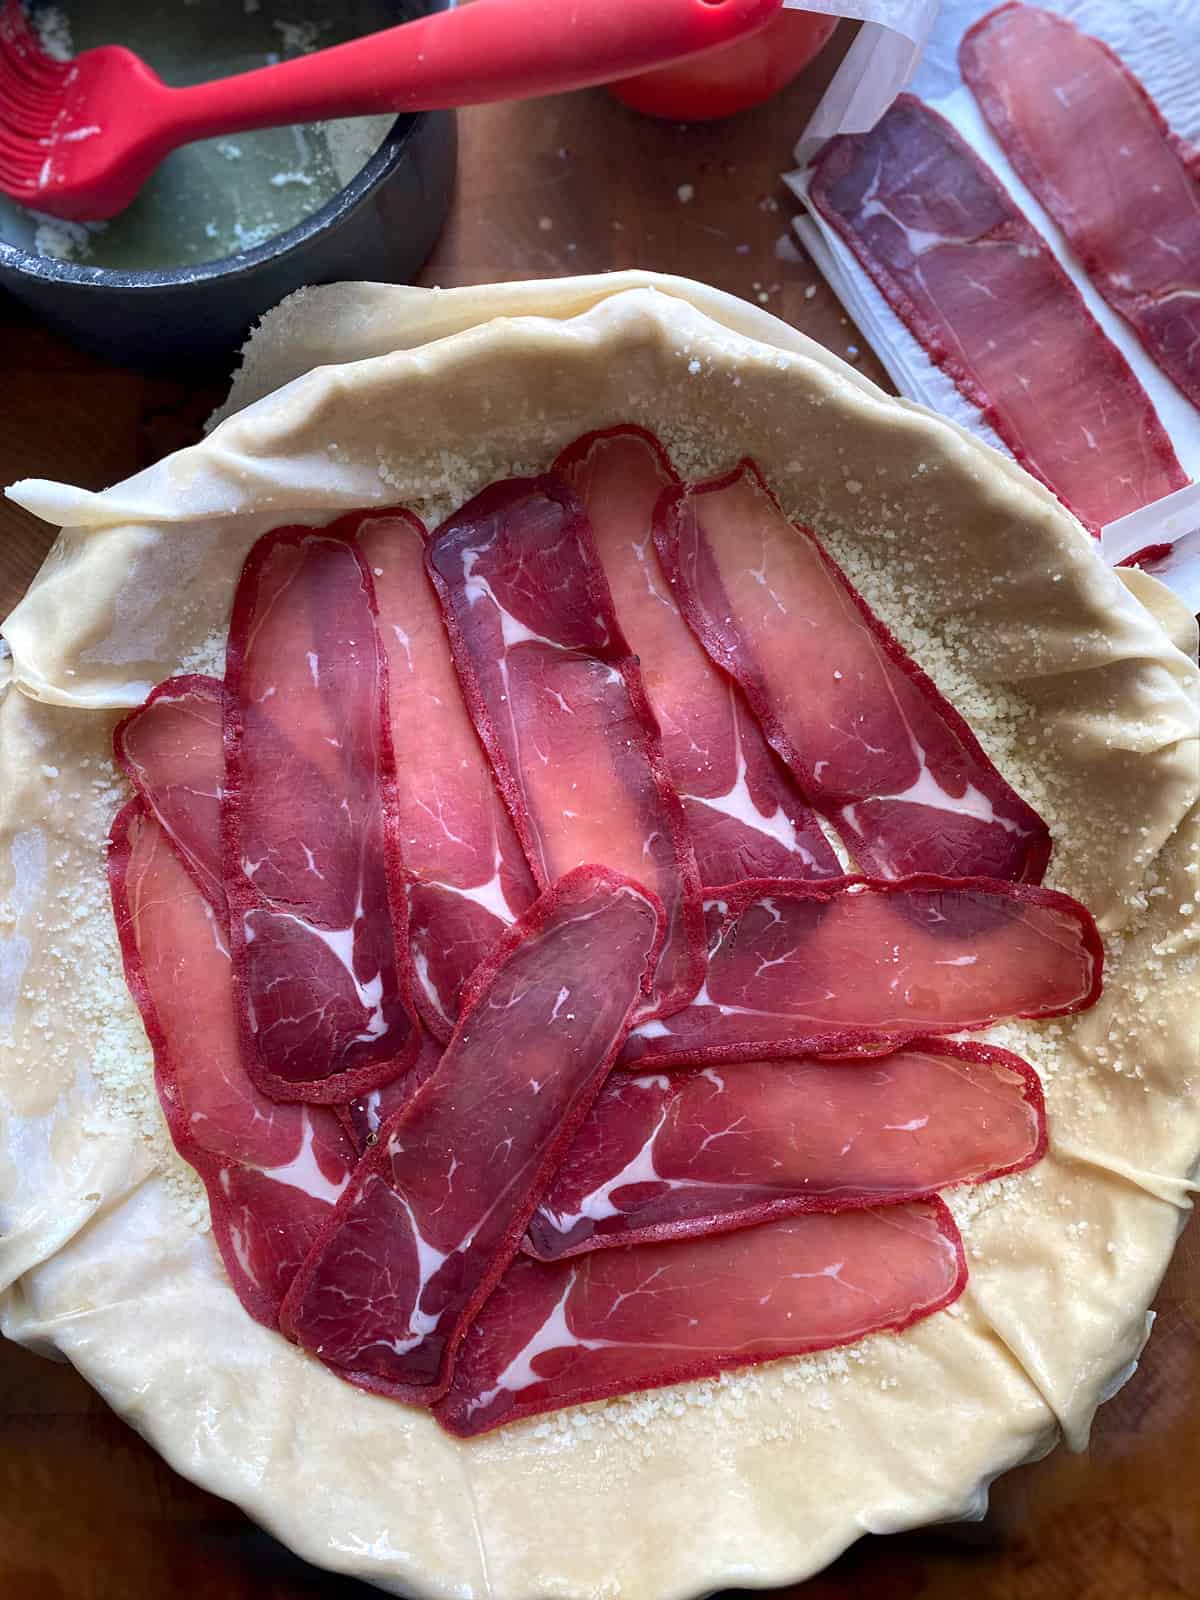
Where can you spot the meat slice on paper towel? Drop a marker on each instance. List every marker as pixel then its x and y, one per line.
pixel 976 284
pixel 870 740
pixel 468 879
pixel 672 1155
pixel 171 750
pixel 559 703
pixel 1093 147
pixel 864 967
pixel 747 817
pixel 437 1208
pixel 312 865
pixel 273 1172
pixel 560 1333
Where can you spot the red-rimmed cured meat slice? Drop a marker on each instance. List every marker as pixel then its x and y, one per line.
pixel 560 1333
pixel 870 740
pixel 559 703
pixel 672 1155
pixel 1093 147
pixel 171 751
pixel 467 876
pixel 747 818
pixel 809 969
pixel 364 1117
pixel 437 1208
pixel 977 285
pixel 273 1172
pixel 311 855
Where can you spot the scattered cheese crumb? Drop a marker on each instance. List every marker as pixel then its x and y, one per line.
pixel 686 193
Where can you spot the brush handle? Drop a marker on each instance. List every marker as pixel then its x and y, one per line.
pixel 470 55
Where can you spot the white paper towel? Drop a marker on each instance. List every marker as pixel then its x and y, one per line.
pixel 876 67
pixel 1161 45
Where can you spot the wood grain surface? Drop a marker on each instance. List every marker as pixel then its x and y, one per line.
pixel 577 184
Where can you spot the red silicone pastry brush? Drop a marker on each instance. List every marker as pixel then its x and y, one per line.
pixel 79 138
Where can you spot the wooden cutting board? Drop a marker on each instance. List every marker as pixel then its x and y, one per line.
pixel 576 184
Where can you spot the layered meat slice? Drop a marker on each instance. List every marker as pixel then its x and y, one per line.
pixel 171 751
pixel 870 740
pixel 273 1172
pixel 977 285
pixel 798 969
pixel 438 1206
pixel 747 817
pixel 468 878
pixel 559 1333
pixel 673 1155
pixel 371 1187
pixel 1093 147
pixel 559 703
pixel 311 852
pixel 364 1117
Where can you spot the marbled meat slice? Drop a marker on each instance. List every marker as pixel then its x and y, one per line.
pixel 171 751
pixel 364 1117
pixel 559 703
pixel 560 1333
pixel 468 878
pixel 980 289
pixel 1093 147
pixel 872 743
pixel 747 817
pixel 273 1172
pixel 437 1208
pixel 672 1155
pixel 311 854
pixel 864 967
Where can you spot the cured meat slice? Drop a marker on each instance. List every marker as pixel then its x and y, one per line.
pixel 437 1208
pixel 859 968
pixel 1093 147
pixel 559 1333
pixel 273 1172
pixel 467 876
pixel 559 703
pixel 980 289
pixel 171 751
pixel 312 866
pixel 747 818
pixel 870 740
pixel 668 1156
pixel 364 1117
